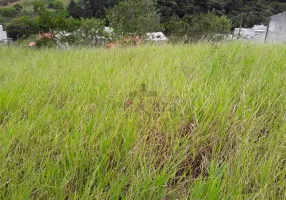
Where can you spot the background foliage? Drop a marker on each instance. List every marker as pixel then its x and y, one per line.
pixel 180 18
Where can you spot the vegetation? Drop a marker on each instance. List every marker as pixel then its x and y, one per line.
pixel 22 27
pixel 25 3
pixel 211 24
pixel 192 122
pixel 90 8
pixel 8 12
pixel 179 18
pixel 44 21
pixel 54 4
pixel 91 33
pixel 245 12
pixel 139 17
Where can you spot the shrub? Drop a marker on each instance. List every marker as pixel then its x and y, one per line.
pixel 8 12
pixel 206 25
pixel 91 32
pixel 22 27
pixel 54 4
pixel 18 7
pixel 176 26
pixel 45 42
pixel 134 16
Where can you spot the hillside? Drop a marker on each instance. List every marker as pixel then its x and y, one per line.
pixel 201 121
pixel 7 3
pixel 4 3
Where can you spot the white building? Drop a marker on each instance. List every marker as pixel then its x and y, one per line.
pixel 277 29
pixel 250 33
pixel 3 34
pixel 259 29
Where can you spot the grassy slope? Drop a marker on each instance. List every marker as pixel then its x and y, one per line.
pixel 65 2
pixel 215 130
pixel 26 3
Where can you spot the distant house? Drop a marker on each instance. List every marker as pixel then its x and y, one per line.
pixel 277 29
pixel 250 33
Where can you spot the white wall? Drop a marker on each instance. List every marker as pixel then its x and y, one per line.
pixel 277 29
pixel 3 34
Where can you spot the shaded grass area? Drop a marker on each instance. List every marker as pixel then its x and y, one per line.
pixel 174 122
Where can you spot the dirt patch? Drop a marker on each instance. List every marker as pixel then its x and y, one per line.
pixel 158 149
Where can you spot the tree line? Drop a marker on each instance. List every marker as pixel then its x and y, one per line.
pixel 240 12
pixel 180 18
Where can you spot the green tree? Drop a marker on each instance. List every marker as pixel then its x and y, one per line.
pixel 50 21
pixel 91 33
pixel 22 27
pixel 134 16
pixel 38 6
pixel 176 26
pixel 80 9
pixel 209 25
pixel 90 8
pixel 55 4
pixel 99 6
pixel 18 7
pixel 8 12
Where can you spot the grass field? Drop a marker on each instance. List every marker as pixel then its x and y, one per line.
pixel 196 121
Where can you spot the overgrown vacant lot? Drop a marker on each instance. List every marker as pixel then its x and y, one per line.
pixel 171 122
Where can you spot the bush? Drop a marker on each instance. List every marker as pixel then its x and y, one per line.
pixel 208 25
pixel 45 42
pixel 22 27
pixel 91 32
pixel 134 16
pixel 8 12
pixel 18 7
pixel 176 27
pixel 54 4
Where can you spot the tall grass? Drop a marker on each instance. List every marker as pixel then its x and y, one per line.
pixel 172 122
